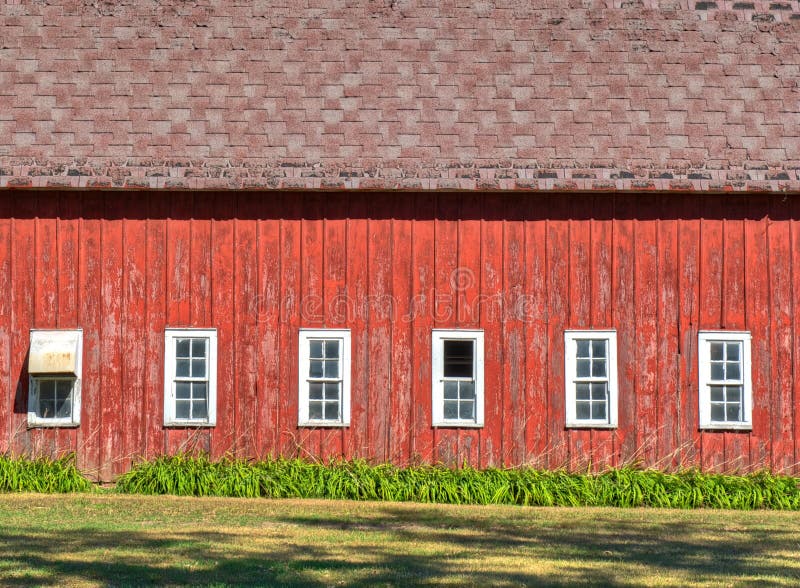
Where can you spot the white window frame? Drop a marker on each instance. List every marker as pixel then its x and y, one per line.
pixel 438 337
pixel 170 420
pixel 74 420
pixel 571 380
pixel 304 337
pixel 704 340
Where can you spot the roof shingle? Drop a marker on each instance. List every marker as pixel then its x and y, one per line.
pixel 388 93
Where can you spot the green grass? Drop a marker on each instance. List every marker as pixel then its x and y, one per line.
pixel 184 475
pixel 41 475
pixel 119 540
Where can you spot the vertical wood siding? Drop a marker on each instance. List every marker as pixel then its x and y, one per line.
pixel 391 267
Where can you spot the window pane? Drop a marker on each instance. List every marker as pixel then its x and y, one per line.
pixel 451 390
pixel 599 410
pixel 583 348
pixel 458 359
pixel 199 390
pixel 315 390
pixel 734 393
pixel 599 368
pixel 47 408
pixel 599 391
pixel 182 368
pixel 583 368
pixel 733 351
pixel 332 368
pixel 582 391
pixel 198 368
pixel 467 410
pixel 599 348
pixel 332 391
pixel 182 409
pixel 316 349
pixel 717 394
pixel 467 390
pixel 717 371
pixel 733 412
pixel 200 409
pixel 315 368
pixel 63 407
pixel 315 410
pixel 47 390
pixel 332 349
pixel 332 411
pixel 450 409
pixel 733 371
pixel 717 412
pixel 182 390
pixel 716 351
pixel 64 388
pixel 199 347
pixel 182 347
pixel 582 410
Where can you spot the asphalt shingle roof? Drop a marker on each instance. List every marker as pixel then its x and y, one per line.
pixel 400 94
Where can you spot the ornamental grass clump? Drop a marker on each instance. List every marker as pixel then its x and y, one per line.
pixel 185 475
pixel 21 474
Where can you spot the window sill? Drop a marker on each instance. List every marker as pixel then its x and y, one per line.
pixel 323 424
pixel 722 427
pixel 457 425
pixel 190 424
pixel 589 425
pixel 45 424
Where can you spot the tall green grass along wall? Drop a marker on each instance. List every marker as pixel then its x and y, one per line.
pixel 41 475
pixel 356 480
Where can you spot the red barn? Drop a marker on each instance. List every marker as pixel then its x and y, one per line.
pixel 472 233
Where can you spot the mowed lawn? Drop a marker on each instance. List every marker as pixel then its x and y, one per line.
pixel 116 540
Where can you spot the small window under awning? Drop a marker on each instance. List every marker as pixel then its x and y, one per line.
pixel 55 352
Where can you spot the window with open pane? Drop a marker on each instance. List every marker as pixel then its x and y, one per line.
pixel 54 362
pixel 54 397
pixel 457 378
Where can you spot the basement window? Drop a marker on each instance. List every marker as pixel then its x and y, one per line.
pixel 725 387
pixel 457 378
pixel 590 375
pixel 54 369
pixel 190 377
pixel 324 382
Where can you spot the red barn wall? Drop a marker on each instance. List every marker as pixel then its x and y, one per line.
pixel 523 267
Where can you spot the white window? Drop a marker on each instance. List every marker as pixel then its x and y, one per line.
pixel 590 376
pixel 54 387
pixel 457 378
pixel 324 378
pixel 190 377
pixel 725 387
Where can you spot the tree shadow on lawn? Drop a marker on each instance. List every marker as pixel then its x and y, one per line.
pixel 694 549
pixel 120 558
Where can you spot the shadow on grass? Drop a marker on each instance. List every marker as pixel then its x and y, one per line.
pixel 694 550
pixel 393 546
pixel 135 559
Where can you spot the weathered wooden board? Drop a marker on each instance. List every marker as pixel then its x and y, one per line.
pixel 523 268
